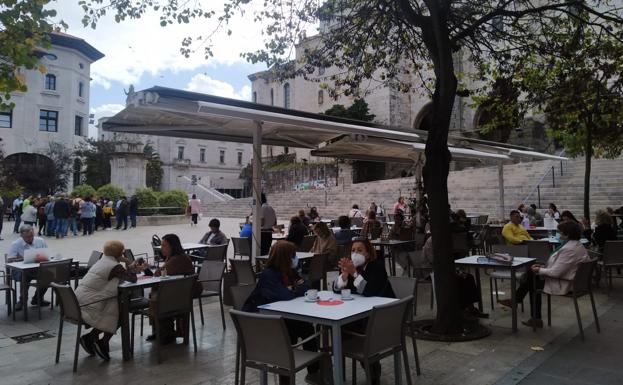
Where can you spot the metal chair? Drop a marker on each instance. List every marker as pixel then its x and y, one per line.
pixel 357 222
pixel 211 278
pixel 318 271
pixel 307 243
pixel 70 312
pixel 494 275
pixel 217 253
pixel 612 258
pixel 421 273
pixel 404 287
pixel 11 299
pixel 242 247
pixel 582 285
pixel 282 357
pixel 48 273
pixel 243 271
pixel 130 256
pixel 156 242
pixel 239 295
pixel 174 299
pixel 385 336
pixel 83 268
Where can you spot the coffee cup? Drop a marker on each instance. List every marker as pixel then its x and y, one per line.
pixel 346 293
pixel 311 295
pixel 325 295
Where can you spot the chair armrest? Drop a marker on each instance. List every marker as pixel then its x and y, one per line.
pixel 313 336
pixel 352 333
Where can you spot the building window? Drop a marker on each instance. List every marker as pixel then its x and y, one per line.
pixel 78 125
pixel 50 82
pixel 180 152
pixel 221 156
pixel 254 97
pixel 320 97
pixel 202 155
pixel 80 89
pixel 48 121
pixel 6 119
pixel 272 97
pixel 239 158
pixel 286 95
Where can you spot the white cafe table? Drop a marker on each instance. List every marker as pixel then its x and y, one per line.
pixel 334 316
pixel 300 255
pixel 191 246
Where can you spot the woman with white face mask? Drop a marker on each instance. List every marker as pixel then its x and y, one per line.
pixel 363 273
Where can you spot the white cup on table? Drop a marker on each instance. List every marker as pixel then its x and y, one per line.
pixel 311 295
pixel 346 293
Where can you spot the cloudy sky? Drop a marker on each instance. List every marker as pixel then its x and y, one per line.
pixel 142 53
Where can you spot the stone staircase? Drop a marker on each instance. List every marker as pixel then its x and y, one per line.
pixel 474 190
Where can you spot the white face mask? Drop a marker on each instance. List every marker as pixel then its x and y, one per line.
pixel 358 259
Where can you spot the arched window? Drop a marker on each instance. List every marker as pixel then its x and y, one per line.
pixel 50 82
pixel 286 95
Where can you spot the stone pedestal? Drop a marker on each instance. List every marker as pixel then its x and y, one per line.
pixel 128 167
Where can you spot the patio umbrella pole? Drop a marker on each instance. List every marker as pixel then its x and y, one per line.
pixel 257 190
pixel 501 186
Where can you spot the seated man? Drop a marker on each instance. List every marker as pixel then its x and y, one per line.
pixel 26 241
pixel 513 232
pixel 247 229
pixel 215 236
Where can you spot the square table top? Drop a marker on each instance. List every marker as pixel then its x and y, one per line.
pixel 300 307
pixel 299 254
pixel 194 246
pixel 146 282
pixel 481 260
pixel 26 266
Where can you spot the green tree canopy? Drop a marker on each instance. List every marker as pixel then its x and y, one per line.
pixel 111 192
pixel 83 191
pixel 95 154
pixel 359 110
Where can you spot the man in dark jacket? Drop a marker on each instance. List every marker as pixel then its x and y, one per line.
pixel 297 231
pixel 133 210
pixel 122 213
pixel 61 215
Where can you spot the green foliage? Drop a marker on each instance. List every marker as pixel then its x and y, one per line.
pixel 95 155
pixel 83 190
pixel 359 110
pixel 154 167
pixel 146 197
pixel 173 198
pixel 111 192
pixel 63 159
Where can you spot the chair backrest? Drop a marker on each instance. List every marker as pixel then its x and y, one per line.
pixel 583 278
pixel 307 243
pixel 212 272
pixel 514 250
pixel 358 222
pixel 391 217
pixel 217 253
pixel 243 271
pixel 240 294
pixel 155 240
pixel 70 308
pixel 540 250
pixel 95 256
pixel 129 255
pixel 613 252
pixel 54 271
pixel 385 326
pixel 318 267
pixel 264 339
pixel 242 246
pixel 175 296
pixel 403 286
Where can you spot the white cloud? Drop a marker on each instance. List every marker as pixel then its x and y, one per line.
pixel 205 84
pixel 135 47
pixel 103 111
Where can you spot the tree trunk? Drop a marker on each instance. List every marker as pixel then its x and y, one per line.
pixel 436 37
pixel 587 171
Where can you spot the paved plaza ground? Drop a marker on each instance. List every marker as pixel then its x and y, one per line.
pixel 501 358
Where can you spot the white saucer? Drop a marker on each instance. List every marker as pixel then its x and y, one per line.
pixel 348 298
pixel 310 300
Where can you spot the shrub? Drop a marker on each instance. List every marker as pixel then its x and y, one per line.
pixel 83 190
pixel 111 192
pixel 173 198
pixel 146 197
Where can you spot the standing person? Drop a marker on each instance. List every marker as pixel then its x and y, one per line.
pixel 123 209
pixel 269 217
pixel 194 206
pixel 88 216
pixel 355 212
pixel 61 210
pixel 29 215
pixel 50 220
pixel 400 207
pixel 133 210
pixel 26 241
pixel 42 218
pixel 17 212
pixel 107 211
pixel 98 214
pixel 75 213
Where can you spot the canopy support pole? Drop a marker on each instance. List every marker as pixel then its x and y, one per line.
pixel 257 191
pixel 501 187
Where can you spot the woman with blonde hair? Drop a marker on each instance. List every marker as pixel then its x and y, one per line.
pixel 325 242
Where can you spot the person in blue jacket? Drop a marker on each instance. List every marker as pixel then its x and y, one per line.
pixel 247 229
pixel 279 281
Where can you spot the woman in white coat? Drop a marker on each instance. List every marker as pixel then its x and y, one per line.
pixel 97 295
pixel 555 277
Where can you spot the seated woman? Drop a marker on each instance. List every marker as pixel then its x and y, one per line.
pixel 556 277
pixel 344 235
pixel 297 231
pixel 97 294
pixel 176 262
pixel 603 230
pixel 372 227
pixel 215 236
pixel 325 242
pixel 313 214
pixel 279 281
pixel 363 273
